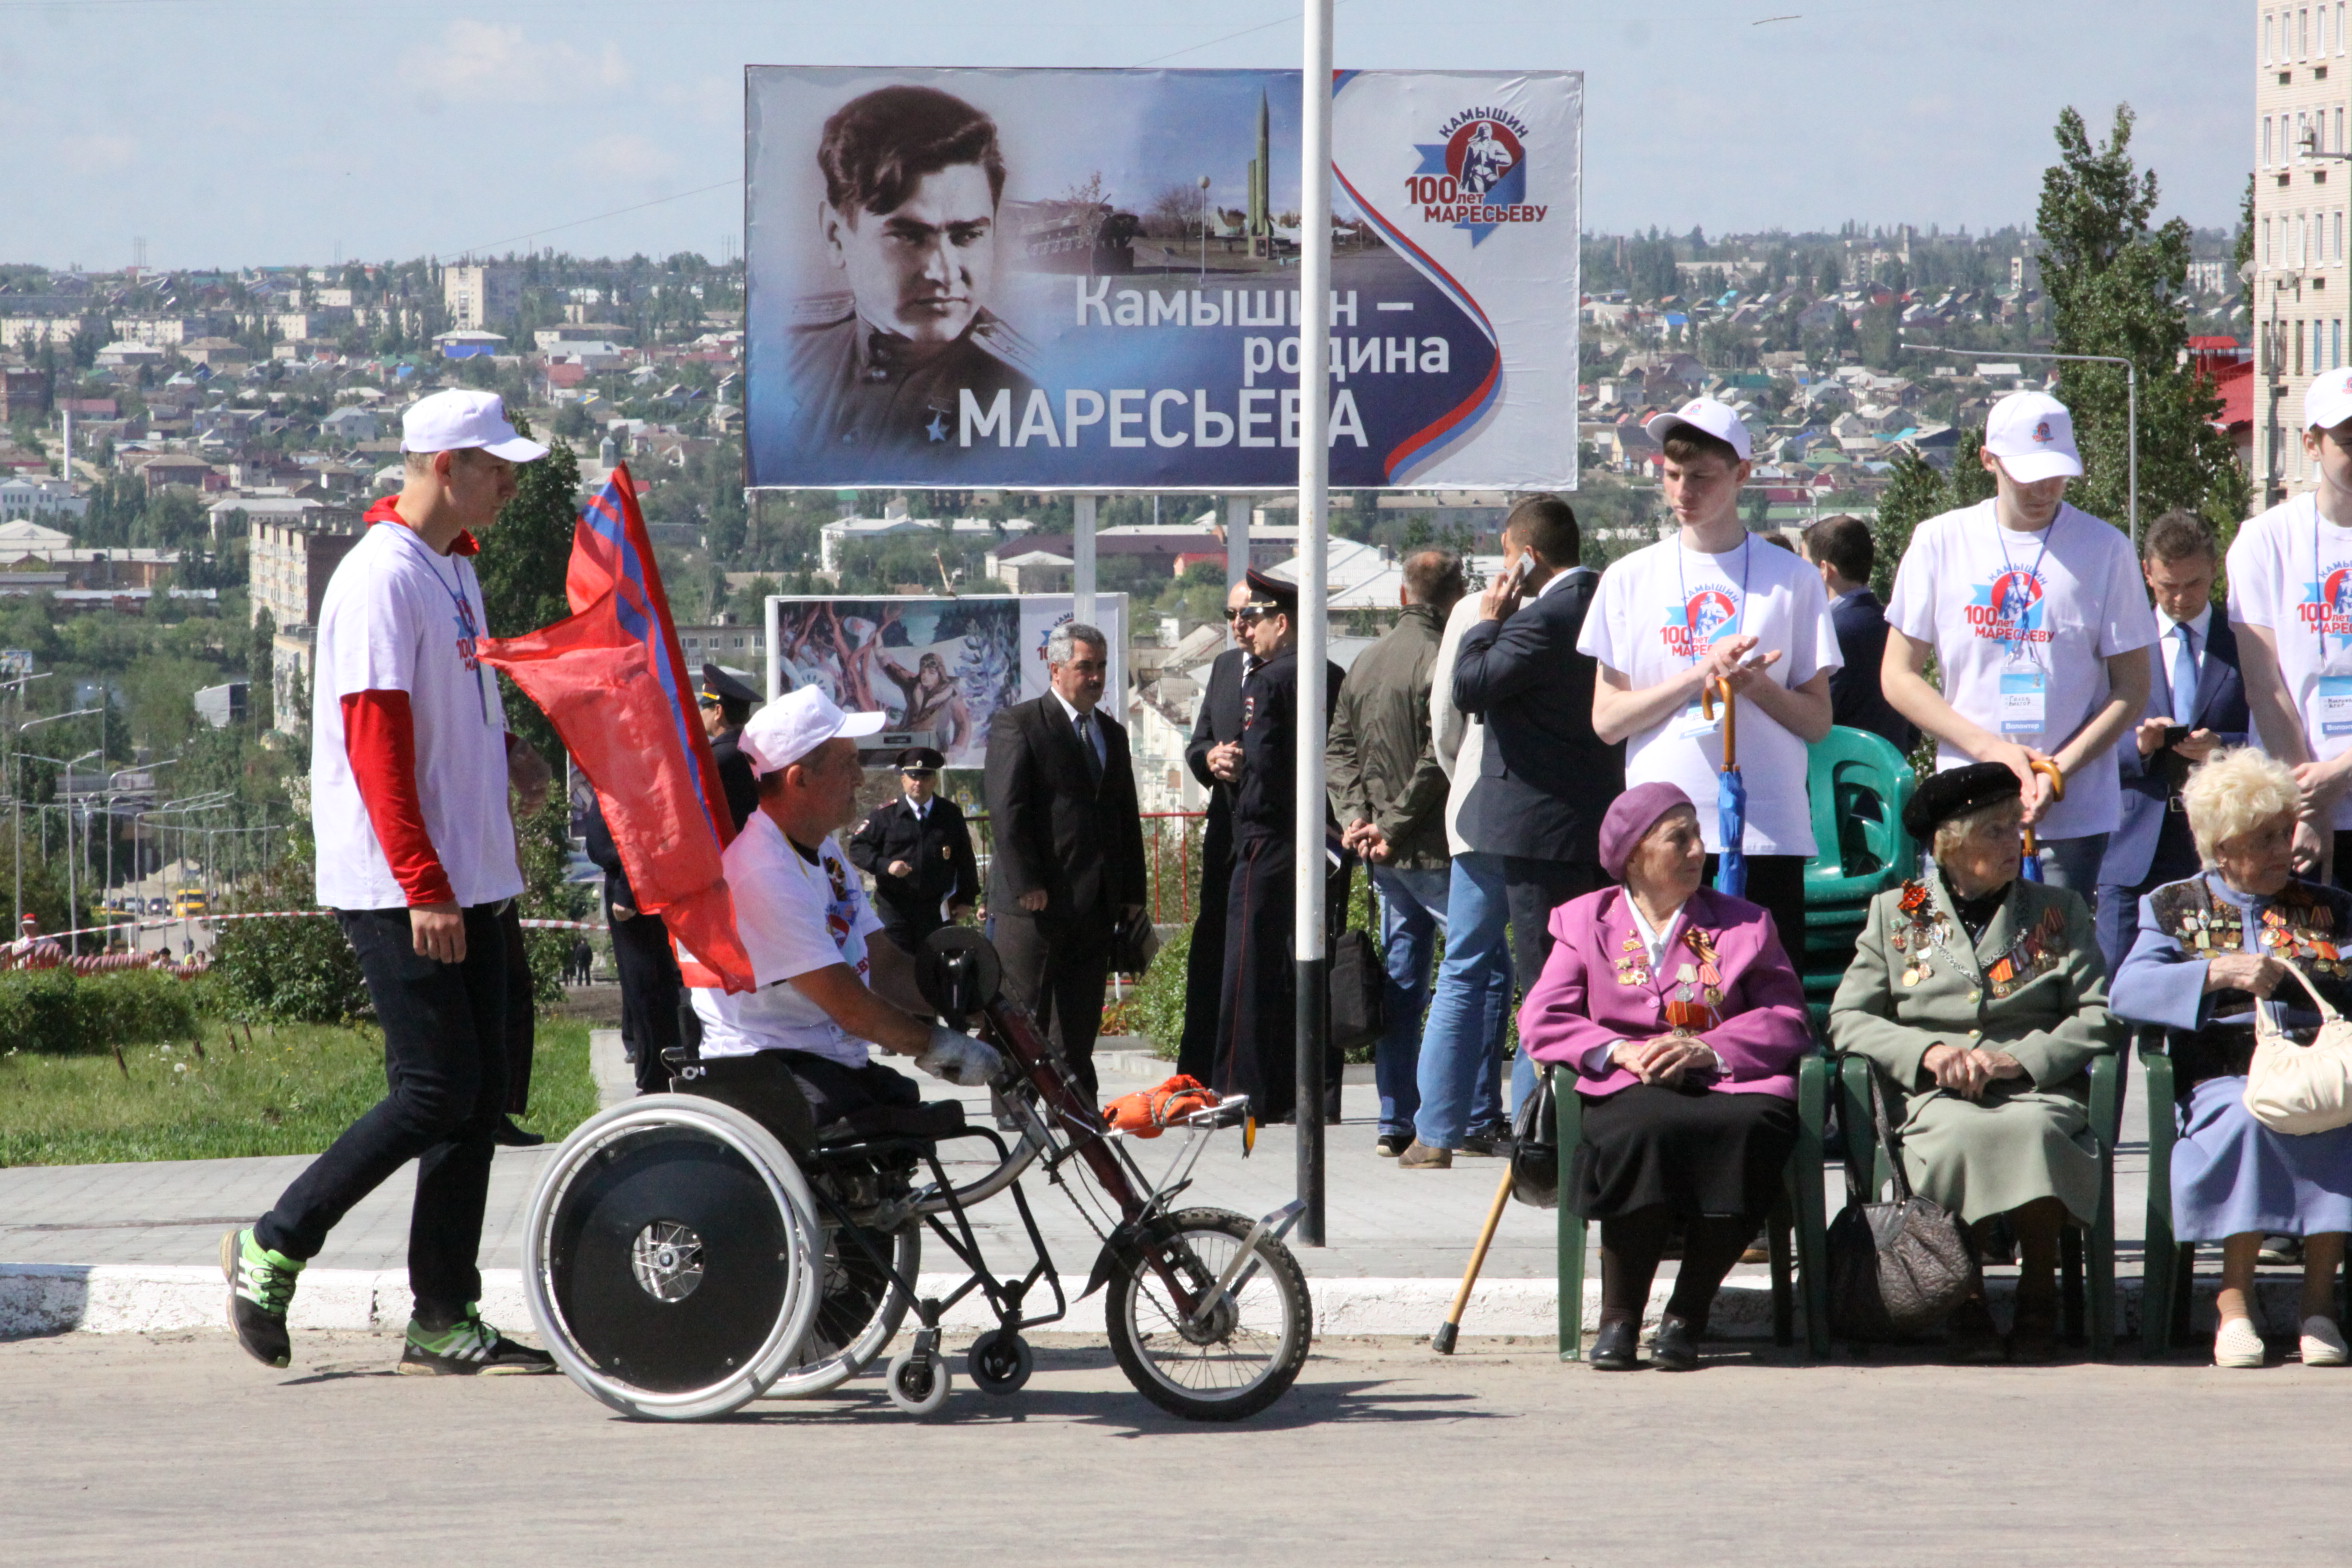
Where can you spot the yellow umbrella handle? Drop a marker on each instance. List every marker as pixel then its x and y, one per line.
pixel 1709 694
pixel 2049 770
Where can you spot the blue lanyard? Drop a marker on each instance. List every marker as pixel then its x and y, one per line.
pixel 1740 620
pixel 2017 647
pixel 468 628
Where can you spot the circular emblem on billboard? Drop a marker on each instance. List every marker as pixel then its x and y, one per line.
pixel 1479 154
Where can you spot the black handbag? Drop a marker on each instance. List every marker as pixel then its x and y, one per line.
pixel 1134 944
pixel 1899 1269
pixel 1535 1147
pixel 1359 991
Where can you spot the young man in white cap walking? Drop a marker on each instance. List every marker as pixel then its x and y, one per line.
pixel 410 765
pixel 1712 604
pixel 794 1052
pixel 2036 617
pixel 2290 601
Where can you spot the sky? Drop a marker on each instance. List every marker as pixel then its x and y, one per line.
pixel 230 133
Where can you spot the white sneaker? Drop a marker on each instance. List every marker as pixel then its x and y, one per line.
pixel 2238 1344
pixel 2323 1344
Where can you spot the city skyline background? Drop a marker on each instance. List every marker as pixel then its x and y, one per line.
pixel 252 132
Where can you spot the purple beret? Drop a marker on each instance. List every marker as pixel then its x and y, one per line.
pixel 1630 818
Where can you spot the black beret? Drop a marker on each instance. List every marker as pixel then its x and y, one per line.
pixel 719 686
pixel 920 757
pixel 1265 589
pixel 1955 794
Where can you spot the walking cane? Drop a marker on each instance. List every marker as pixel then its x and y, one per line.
pixel 1447 1332
pixel 2031 868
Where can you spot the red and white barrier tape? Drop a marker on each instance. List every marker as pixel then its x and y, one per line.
pixel 267 914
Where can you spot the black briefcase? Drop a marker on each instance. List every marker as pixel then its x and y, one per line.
pixel 1359 991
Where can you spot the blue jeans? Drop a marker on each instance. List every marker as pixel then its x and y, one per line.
pixel 1461 1050
pixel 1412 912
pixel 2073 863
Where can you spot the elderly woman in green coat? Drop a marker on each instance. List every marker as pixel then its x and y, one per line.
pixel 1982 998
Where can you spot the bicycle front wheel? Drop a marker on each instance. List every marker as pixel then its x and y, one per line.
pixel 1240 1348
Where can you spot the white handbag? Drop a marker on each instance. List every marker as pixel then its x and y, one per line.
pixel 2296 1088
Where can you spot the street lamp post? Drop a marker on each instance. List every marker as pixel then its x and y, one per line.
pixel 2131 383
pixel 16 798
pixel 72 920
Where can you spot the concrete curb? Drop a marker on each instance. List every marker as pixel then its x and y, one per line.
pixel 40 1299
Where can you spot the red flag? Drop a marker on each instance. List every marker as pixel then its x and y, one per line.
pixel 593 676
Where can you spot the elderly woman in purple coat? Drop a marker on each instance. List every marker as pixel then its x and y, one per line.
pixel 1684 1020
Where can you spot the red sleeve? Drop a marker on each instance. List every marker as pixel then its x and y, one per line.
pixel 379 736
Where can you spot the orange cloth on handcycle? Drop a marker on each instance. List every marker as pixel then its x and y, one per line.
pixel 1148 1112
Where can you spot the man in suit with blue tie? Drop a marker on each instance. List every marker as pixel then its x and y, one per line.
pixel 2196 704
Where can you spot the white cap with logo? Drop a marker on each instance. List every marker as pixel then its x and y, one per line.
pixel 2327 402
pixel 796 724
pixel 2033 436
pixel 460 418
pixel 1707 416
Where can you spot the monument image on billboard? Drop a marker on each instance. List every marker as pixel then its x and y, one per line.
pixel 1088 279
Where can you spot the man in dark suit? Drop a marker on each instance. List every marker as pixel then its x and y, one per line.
pixel 1068 865
pixel 1840 547
pixel 651 988
pixel 1533 817
pixel 2194 687
pixel 918 850
pixel 1214 756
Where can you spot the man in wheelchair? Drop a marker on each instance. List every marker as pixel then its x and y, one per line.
pixel 793 1053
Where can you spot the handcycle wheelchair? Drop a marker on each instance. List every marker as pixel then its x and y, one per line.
pixel 680 1261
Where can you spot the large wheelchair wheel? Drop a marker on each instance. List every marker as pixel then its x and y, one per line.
pixel 672 1258
pixel 1241 1350
pixel 859 1311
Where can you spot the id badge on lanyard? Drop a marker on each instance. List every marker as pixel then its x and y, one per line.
pixel 2025 701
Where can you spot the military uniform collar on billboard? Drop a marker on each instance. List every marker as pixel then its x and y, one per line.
pixel 864 388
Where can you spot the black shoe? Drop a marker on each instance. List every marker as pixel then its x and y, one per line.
pixel 468 1347
pixel 1492 1142
pixel 2280 1250
pixel 1614 1346
pixel 1392 1144
pixel 261 1284
pixel 513 1137
pixel 1671 1349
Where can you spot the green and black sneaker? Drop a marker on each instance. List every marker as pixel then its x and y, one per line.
pixel 467 1347
pixel 261 1283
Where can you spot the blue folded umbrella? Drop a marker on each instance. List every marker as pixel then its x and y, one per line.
pixel 1731 807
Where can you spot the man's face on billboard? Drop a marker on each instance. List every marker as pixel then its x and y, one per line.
pixel 924 267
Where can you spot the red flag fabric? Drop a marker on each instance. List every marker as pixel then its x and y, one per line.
pixel 593 676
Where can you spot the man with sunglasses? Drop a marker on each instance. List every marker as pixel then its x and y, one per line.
pixel 918 850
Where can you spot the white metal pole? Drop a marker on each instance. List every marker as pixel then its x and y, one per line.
pixel 1082 560
pixel 1314 474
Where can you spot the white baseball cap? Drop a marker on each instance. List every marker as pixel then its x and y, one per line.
pixel 1706 415
pixel 459 418
pixel 796 724
pixel 2327 402
pixel 2033 436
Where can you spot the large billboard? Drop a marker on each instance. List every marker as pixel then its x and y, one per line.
pixel 942 669
pixel 1089 279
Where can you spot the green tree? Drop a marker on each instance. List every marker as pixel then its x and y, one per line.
pixel 2116 287
pixel 2242 248
pixel 260 668
pixel 1914 493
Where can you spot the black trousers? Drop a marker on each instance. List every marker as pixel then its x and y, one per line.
pixel 651 992
pixel 1057 969
pixel 522 1034
pixel 445 1065
pixel 793 1093
pixel 908 932
pixel 1204 962
pixel 1257 1034
pixel 1532 889
pixel 1778 883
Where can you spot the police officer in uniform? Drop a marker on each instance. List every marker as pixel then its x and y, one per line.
pixel 918 850
pixel 651 989
pixel 913 178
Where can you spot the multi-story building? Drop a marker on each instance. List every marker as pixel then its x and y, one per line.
pixel 2301 291
pixel 478 295
pixel 288 562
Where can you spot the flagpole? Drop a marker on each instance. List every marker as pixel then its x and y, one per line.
pixel 1314 474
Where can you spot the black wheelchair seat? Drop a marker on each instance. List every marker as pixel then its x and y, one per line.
pixel 935 1119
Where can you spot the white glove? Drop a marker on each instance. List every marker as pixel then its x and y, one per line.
pixel 959 1058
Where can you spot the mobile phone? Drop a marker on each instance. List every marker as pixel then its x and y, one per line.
pixel 2174 734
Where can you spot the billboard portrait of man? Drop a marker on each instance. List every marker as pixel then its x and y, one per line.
pixel 913 179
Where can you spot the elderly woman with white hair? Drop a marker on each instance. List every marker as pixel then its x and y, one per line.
pixel 2207 955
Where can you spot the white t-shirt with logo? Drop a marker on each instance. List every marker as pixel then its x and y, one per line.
pixel 2291 571
pixel 1658 611
pixel 795 916
pixel 2022 624
pixel 396 616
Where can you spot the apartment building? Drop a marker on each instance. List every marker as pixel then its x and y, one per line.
pixel 2301 292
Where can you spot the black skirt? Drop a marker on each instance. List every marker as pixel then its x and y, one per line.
pixel 1695 1152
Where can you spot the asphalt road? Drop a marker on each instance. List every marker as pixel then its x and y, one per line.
pixel 123 1449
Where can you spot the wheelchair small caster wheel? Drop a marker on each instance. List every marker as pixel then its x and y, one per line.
pixel 918 1387
pixel 1000 1362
